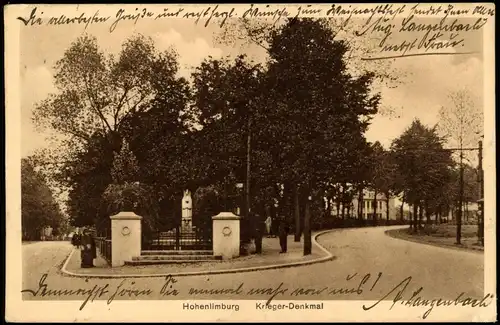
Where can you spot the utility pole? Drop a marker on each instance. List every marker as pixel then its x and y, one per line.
pixel 307 226
pixel 461 198
pixel 224 134
pixel 247 187
pixel 480 231
pixel 251 222
pixel 226 156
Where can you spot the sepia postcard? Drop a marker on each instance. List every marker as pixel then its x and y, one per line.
pixel 250 162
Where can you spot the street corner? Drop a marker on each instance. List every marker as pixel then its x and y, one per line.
pixel 268 260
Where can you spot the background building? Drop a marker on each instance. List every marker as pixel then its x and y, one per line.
pixel 381 203
pixel 369 207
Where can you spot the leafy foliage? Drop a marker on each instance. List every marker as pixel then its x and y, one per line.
pixel 125 167
pixel 206 204
pixel 424 164
pixel 98 101
pixel 462 119
pixel 302 116
pixel 135 197
pixel 39 209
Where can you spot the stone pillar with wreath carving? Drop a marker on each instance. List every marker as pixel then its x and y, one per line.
pixel 125 237
pixel 226 235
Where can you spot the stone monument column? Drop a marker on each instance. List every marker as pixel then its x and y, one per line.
pixel 187 212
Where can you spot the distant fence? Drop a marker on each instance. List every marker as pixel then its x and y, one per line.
pixel 55 238
pixel 104 246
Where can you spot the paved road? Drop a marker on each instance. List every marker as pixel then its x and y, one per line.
pixel 43 257
pixel 441 272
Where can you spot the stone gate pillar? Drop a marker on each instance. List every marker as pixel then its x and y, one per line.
pixel 226 235
pixel 125 237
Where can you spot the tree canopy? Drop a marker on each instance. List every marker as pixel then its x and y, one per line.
pixel 39 208
pixel 297 121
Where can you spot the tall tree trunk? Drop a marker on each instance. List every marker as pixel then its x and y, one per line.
pixel 307 226
pixel 296 214
pixel 280 199
pixel 337 203
pixel 274 212
pixel 289 201
pixel 410 214
pixel 329 206
pixel 415 217
pixel 420 215
pixel 427 214
pixel 401 209
pixel 343 201
pixel 283 199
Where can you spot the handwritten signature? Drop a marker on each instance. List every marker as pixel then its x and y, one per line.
pixel 416 300
pixel 421 34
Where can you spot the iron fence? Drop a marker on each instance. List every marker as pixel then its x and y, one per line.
pixel 104 246
pixel 178 238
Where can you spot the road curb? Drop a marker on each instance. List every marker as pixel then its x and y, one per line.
pixel 391 233
pixel 329 256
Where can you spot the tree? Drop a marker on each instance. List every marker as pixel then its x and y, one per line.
pixel 382 175
pixel 96 93
pixel 423 165
pixel 206 204
pixel 126 193
pixel 259 32
pixel 462 122
pixel 315 107
pixel 39 209
pixel 471 184
pixel 102 99
pixel 87 176
pixel 162 137
pixel 125 167
pixel 313 110
pixel 378 174
pixel 227 97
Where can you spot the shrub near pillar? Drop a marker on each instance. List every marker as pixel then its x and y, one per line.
pixel 125 237
pixel 226 235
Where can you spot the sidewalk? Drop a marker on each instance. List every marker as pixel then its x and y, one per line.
pixel 270 258
pixel 467 242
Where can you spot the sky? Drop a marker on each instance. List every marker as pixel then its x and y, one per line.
pixel 425 81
